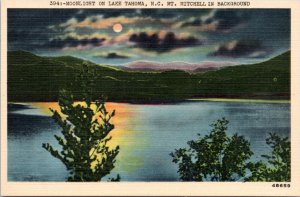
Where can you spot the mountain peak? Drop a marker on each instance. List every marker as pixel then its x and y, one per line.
pixel 176 65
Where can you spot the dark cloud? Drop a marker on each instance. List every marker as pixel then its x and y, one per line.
pixel 113 55
pixel 196 22
pixel 227 19
pixel 241 48
pixel 73 42
pixel 28 28
pixel 223 19
pixel 169 42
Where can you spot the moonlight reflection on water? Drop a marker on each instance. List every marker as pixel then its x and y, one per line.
pixel 146 135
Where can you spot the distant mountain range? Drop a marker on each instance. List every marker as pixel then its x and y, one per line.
pixel 145 66
pixel 36 78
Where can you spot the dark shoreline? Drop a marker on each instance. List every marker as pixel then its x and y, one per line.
pixel 282 96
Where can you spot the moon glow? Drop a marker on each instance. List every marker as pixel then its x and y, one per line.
pixel 117 27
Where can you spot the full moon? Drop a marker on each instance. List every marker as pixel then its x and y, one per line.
pixel 117 27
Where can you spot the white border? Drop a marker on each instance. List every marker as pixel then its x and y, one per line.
pixel 157 188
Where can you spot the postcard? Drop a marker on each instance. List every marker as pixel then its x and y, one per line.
pixel 148 97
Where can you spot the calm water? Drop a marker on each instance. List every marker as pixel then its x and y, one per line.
pixel 146 134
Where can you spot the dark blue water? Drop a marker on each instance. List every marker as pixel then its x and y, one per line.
pixel 27 160
pixel 156 131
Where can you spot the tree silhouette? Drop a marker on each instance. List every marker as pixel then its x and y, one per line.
pixel 278 165
pixel 214 157
pixel 218 157
pixel 85 133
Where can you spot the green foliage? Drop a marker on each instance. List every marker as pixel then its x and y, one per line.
pixel 85 133
pixel 255 80
pixel 214 157
pixel 278 165
pixel 218 157
pixel 30 78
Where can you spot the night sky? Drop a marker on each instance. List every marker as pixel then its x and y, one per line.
pixel 118 37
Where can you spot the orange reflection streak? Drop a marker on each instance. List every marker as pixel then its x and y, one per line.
pixel 123 134
pixel 124 113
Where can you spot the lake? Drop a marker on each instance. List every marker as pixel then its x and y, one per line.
pixel 147 134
